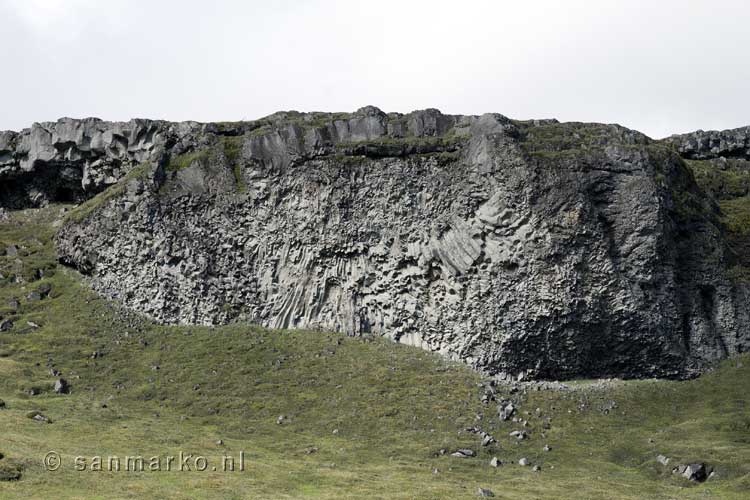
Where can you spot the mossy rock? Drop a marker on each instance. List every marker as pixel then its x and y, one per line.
pixel 9 471
pixel 39 417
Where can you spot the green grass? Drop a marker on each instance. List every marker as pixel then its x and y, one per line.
pixel 394 407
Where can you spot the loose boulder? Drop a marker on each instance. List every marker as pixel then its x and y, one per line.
pixel 62 386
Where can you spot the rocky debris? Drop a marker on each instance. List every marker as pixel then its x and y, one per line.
pixel 61 386
pixel 505 412
pixel 662 459
pixel 14 304
pixel 219 442
pixel 10 471
pixel 6 325
pixel 464 453
pixel 700 145
pixel 11 251
pixel 33 391
pixel 547 447
pixel 34 296
pixel 39 417
pixel 608 406
pixel 488 440
pixel 520 435
pixel 44 290
pixel 483 492
pixel 495 462
pixel 536 468
pixel 697 472
pixel 33 325
pixel 524 462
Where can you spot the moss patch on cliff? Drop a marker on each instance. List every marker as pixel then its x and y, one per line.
pixel 182 161
pixel 232 148
pixel 80 212
pixel 142 389
pixel 728 182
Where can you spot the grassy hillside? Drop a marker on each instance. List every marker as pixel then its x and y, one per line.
pixel 363 418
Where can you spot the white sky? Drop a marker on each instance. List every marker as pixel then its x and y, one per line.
pixel 661 67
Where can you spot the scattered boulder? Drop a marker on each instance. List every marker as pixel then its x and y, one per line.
pixel 44 290
pixel 62 386
pixel 6 325
pixel 662 459
pixel 14 304
pixel 11 251
pixel 34 391
pixel 495 462
pixel 219 442
pixel 694 472
pixel 483 492
pixel 524 462
pixel 506 411
pixel 464 453
pixel 34 296
pixel 39 417
pixel 487 440
pixel 536 468
pixel 9 471
pixel 547 447
pixel 518 435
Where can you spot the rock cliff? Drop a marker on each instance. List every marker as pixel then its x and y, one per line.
pixel 526 249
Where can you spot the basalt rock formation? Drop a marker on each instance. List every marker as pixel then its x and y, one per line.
pixel 534 248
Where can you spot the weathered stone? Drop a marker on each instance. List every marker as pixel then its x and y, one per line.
pixel 6 325
pixel 495 462
pixel 483 492
pixel 695 472
pixel 464 453
pixel 506 412
pixel 662 459
pixel 39 417
pixel 523 462
pixel 62 386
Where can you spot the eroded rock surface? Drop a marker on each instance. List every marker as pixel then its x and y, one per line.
pixel 529 249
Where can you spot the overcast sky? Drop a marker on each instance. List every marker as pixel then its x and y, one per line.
pixel 661 67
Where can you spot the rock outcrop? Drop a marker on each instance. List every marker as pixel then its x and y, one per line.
pixel 72 160
pixel 526 249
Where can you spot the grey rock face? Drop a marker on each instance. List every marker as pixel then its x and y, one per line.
pixel 71 160
pixel 700 145
pixel 527 248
